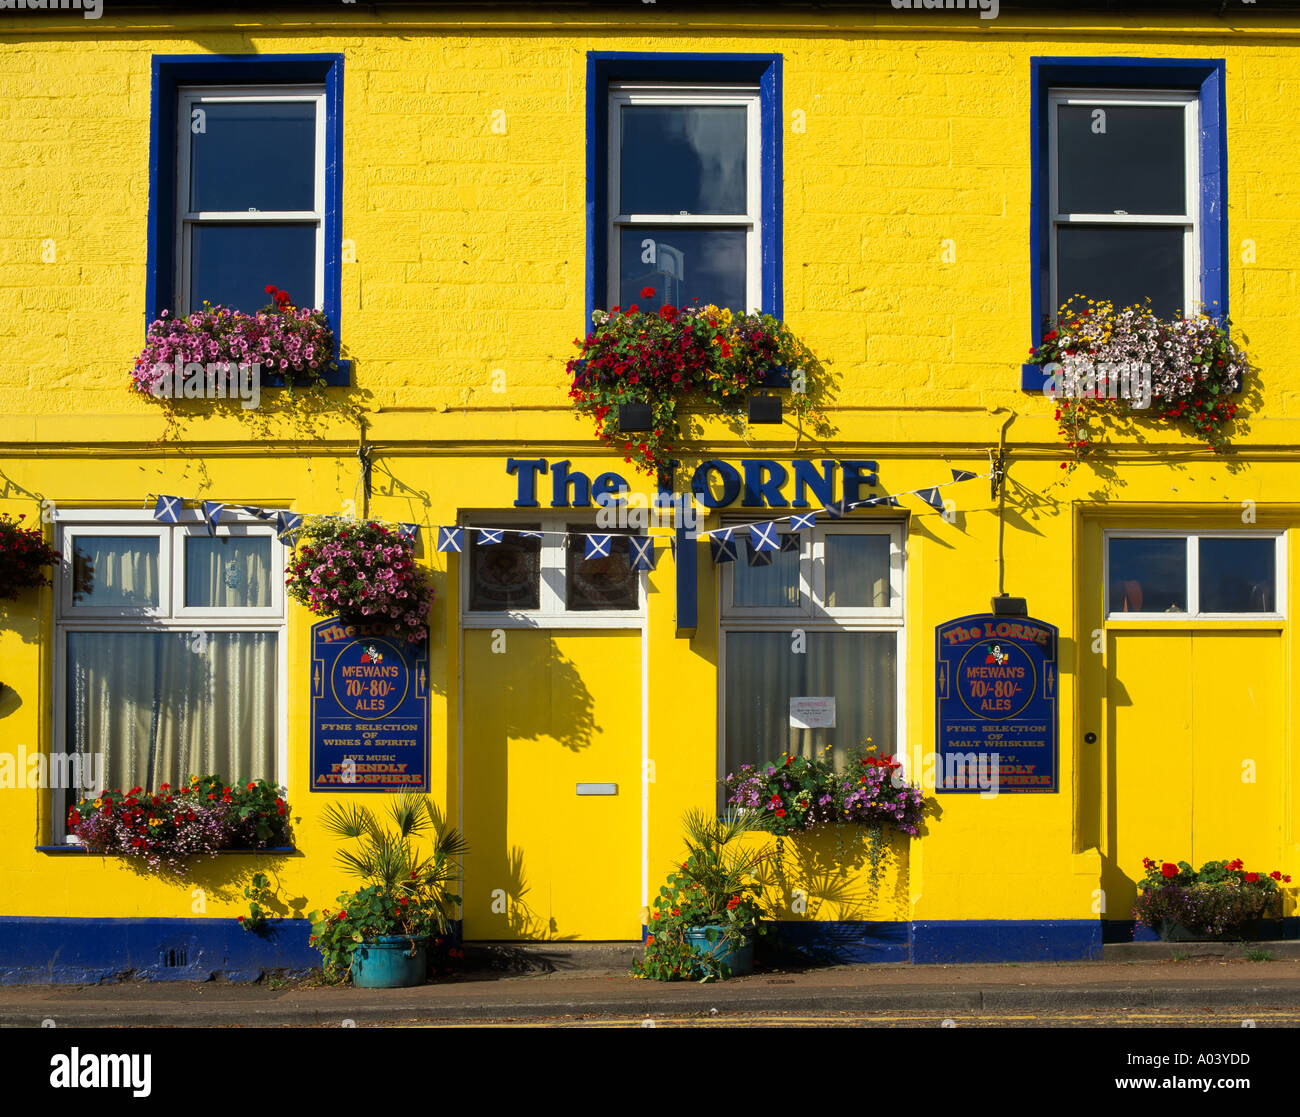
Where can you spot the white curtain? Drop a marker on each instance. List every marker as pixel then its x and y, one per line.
pixel 164 706
pixel 764 671
pixel 227 571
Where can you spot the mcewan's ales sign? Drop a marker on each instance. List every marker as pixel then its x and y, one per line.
pixel 997 698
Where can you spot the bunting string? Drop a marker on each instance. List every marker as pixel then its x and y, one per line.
pixel 764 538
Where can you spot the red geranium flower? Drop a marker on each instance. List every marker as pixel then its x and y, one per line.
pixel 1251 878
pixel 1169 869
pixel 647 292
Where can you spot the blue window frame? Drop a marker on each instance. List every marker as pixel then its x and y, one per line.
pixel 224 183
pixel 633 81
pixel 1155 244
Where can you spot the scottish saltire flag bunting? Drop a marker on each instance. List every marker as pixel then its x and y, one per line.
pixel 757 557
pixel 212 510
pixel 409 532
pixel 641 553
pixel 723 544
pixel 598 546
pixel 791 543
pixel 801 521
pixel 252 510
pixel 963 475
pixel 932 498
pixel 529 534
pixel 451 539
pixel 762 537
pixel 287 525
pixel 837 509
pixel 487 537
pixel 168 509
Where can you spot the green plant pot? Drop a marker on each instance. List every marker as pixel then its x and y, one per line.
pixel 734 961
pixel 389 962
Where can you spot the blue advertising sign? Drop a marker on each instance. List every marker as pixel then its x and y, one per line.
pixel 997 699
pixel 369 710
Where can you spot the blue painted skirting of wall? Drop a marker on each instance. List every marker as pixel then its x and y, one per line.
pixel 996 940
pixel 92 951
pixel 838 943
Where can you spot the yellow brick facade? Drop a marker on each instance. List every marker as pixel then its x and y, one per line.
pixel 906 192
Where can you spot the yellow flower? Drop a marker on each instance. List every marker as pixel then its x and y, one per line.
pixel 155 822
pixel 99 802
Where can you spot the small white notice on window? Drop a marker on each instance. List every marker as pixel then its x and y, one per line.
pixel 812 713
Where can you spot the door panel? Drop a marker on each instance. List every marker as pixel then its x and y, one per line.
pixel 551 710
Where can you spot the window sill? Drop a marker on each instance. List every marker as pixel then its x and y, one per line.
pixel 79 849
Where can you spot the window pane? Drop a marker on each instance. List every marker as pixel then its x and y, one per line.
pixel 775 586
pixel 857 669
pixel 683 159
pixel 227 572
pixel 231 265
pixel 505 575
pixel 1125 265
pixel 1137 164
pixel 163 706
pixel 1148 575
pixel 1238 575
pixel 253 155
pixel 599 583
pixel 683 266
pixel 857 571
pixel 120 572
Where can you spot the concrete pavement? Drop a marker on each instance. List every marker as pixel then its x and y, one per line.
pixel 942 990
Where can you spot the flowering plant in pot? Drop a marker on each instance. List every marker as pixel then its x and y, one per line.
pixel 410 863
pixel 707 913
pixel 362 572
pixel 1127 363
pixel 165 829
pixel 674 355
pixel 24 556
pixel 1214 901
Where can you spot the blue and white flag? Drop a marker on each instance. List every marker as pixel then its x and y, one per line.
pixel 641 553
pixel 451 539
pixel 530 534
pixel 723 544
pixel 762 537
pixel 963 475
pixel 791 543
pixel 409 532
pixel 488 537
pixel 287 525
pixel 757 557
pixel 802 521
pixel 168 509
pixel 252 510
pixel 932 498
pixel 837 509
pixel 597 546
pixel 212 510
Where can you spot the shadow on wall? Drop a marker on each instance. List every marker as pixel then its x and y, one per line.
pixel 829 874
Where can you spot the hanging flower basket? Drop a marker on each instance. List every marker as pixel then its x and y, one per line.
pixel 1107 363
pixel 638 371
pixel 212 352
pixel 363 573
pixel 24 556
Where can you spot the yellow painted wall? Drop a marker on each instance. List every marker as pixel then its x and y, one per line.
pixel 470 258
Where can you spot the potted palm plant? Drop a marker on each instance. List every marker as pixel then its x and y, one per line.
pixel 410 864
pixel 707 914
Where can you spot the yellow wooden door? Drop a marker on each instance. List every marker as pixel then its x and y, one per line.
pixel 1194 750
pixel 545 711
